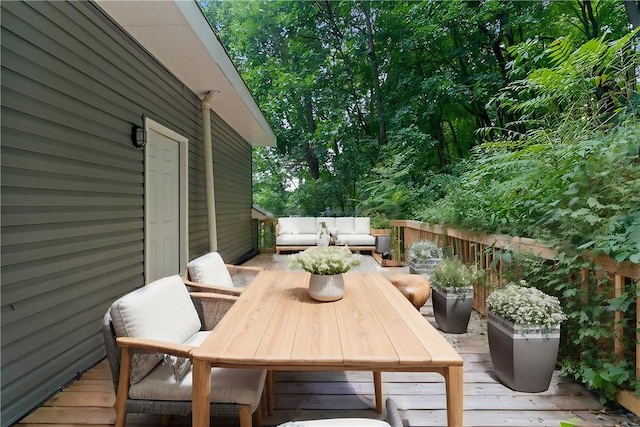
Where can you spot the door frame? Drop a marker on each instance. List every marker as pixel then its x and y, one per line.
pixel 183 189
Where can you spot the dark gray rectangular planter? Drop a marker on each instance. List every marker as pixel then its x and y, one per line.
pixel 452 310
pixel 523 357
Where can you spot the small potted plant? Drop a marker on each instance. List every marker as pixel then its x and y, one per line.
pixel 523 328
pixel 326 265
pixel 452 284
pixel 423 257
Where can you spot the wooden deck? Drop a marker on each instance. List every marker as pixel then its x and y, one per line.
pixel 420 397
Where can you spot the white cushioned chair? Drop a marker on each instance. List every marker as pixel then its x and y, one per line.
pixel 209 273
pixel 393 420
pixel 149 334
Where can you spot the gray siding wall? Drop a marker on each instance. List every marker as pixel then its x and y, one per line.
pixel 232 177
pixel 73 85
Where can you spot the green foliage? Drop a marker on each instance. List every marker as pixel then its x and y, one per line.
pixel 572 179
pixel 489 126
pixel 309 66
pixel 379 220
pixel 452 273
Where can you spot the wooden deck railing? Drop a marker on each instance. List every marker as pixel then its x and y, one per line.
pixel 485 250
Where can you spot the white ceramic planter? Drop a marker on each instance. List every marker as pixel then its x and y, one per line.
pixel 328 287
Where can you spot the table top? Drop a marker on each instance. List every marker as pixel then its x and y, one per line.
pixel 275 324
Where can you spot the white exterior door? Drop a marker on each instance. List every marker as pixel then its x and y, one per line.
pixel 166 197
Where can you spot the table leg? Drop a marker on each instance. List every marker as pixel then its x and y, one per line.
pixel 455 395
pixel 377 387
pixel 201 393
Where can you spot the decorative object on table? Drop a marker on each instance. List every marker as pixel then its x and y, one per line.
pixel 326 265
pixel 452 283
pixel 415 288
pixel 323 235
pixel 423 257
pixel 524 334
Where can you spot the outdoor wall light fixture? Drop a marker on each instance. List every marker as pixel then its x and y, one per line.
pixel 139 137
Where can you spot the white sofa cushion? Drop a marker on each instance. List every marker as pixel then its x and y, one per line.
pixel 357 239
pixel 362 225
pixel 288 226
pixel 296 240
pixel 147 313
pixel 210 270
pixel 307 225
pixel 337 422
pixel 328 220
pixel 346 225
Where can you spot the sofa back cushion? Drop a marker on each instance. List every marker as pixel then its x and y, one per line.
pixel 362 225
pixel 345 225
pixel 329 221
pixel 307 225
pixel 161 310
pixel 288 226
pixel 210 270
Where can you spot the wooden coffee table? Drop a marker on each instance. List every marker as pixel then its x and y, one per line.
pixel 275 325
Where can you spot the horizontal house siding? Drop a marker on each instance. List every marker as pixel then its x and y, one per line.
pixel 232 177
pixel 73 86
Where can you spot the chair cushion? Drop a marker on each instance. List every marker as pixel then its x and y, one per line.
pixel 228 385
pixel 209 269
pixel 337 422
pixel 161 310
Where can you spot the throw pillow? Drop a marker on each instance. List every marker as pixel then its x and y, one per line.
pixel 179 366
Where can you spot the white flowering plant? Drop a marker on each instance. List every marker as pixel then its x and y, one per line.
pixel 325 260
pixel 423 250
pixel 525 305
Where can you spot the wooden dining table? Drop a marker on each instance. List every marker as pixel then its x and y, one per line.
pixel 275 325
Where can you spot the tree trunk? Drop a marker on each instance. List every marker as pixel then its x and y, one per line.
pixel 382 138
pixel 310 156
pixel 633 12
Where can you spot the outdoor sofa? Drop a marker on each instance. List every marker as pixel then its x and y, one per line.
pixel 300 233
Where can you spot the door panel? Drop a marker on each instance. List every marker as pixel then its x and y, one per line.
pixel 165 233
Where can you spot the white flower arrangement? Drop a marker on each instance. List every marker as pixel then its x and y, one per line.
pixel 325 260
pixel 525 305
pixel 423 250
